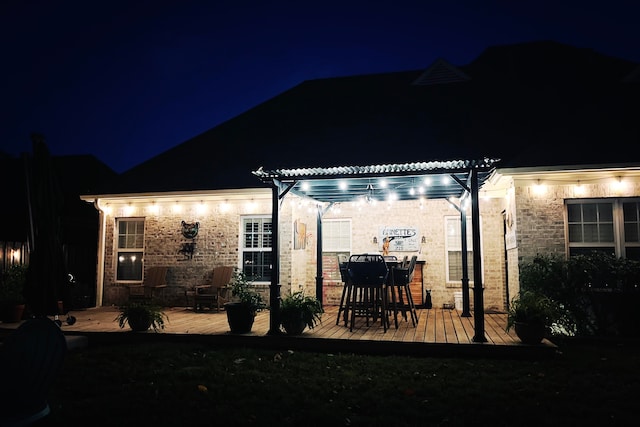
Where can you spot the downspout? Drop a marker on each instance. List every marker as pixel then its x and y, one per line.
pixel 101 253
pixel 465 264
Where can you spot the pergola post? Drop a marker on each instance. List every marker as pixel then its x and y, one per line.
pixel 478 287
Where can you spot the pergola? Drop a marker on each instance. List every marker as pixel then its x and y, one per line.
pixel 457 181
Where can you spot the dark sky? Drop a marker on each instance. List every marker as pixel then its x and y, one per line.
pixel 127 80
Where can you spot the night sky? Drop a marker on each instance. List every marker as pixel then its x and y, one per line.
pixel 127 80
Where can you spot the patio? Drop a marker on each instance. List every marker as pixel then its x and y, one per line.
pixel 439 332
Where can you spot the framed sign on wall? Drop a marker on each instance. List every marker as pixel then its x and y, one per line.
pixel 399 239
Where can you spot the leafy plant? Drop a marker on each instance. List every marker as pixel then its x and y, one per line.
pixel 12 284
pixel 135 311
pixel 533 308
pixel 297 305
pixel 242 292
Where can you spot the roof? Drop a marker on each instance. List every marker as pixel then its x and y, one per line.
pixel 529 104
pixel 409 181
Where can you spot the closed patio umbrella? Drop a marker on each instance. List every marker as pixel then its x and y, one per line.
pixel 47 275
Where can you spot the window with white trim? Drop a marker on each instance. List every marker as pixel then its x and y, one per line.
pixel 453 247
pixel 130 252
pixel 336 235
pixel 257 242
pixel 336 245
pixel 607 225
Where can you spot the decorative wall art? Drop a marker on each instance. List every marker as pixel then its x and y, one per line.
pixel 398 239
pixel 299 235
pixel 190 229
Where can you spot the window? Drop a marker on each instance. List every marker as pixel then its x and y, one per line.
pixel 453 243
pixel 607 225
pixel 336 246
pixel 336 235
pixel 130 249
pixel 257 241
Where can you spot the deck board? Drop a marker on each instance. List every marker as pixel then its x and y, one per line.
pixel 435 326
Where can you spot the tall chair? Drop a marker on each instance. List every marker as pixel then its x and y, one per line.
pixel 401 299
pixel 368 275
pixel 346 294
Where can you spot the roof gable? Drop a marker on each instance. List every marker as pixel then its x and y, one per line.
pixel 441 72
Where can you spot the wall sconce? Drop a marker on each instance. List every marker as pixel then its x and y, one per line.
pixel 424 239
pixel 375 240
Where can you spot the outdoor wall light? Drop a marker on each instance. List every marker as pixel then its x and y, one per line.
pixel 375 240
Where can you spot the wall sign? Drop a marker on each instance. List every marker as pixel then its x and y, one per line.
pixel 399 239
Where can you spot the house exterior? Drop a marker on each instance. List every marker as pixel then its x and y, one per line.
pixel 560 122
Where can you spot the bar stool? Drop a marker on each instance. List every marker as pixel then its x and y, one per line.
pixel 400 291
pixel 346 294
pixel 368 282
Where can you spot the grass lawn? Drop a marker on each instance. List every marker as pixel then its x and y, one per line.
pixel 178 384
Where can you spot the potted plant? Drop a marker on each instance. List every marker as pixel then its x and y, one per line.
pixel 298 312
pixel 12 300
pixel 531 313
pixel 244 305
pixel 141 316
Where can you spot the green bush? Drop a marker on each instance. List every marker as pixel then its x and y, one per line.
pixel 595 291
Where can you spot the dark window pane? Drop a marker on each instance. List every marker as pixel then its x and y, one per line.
pixel 575 233
pixel 129 266
pixel 574 213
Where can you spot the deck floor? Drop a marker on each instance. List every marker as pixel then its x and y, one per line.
pixel 437 330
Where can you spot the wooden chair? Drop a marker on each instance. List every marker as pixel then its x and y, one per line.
pixel 215 293
pixel 155 282
pixel 31 359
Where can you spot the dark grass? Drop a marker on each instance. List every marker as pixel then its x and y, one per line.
pixel 182 384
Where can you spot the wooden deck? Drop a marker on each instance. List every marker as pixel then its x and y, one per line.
pixel 438 332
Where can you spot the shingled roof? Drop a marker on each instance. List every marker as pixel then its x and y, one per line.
pixel 530 104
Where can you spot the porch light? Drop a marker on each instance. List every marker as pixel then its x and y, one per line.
pixel 153 208
pixel 15 256
pixel 579 189
pixel 201 208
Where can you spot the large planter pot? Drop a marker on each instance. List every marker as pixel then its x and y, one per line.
pixel 240 317
pixel 530 333
pixel 11 313
pixel 294 325
pixel 139 322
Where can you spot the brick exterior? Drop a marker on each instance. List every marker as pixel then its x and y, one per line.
pixel 538 220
